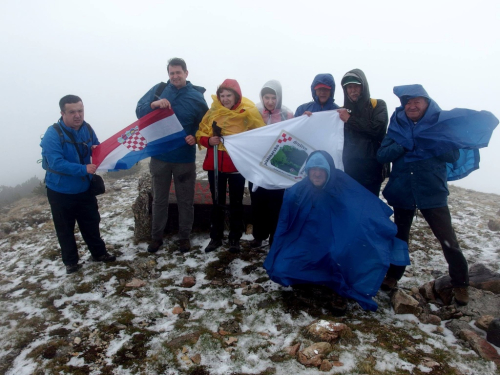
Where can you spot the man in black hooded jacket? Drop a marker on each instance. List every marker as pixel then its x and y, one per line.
pixel 365 125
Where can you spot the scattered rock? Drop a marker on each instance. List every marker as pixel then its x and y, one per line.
pixel 493 332
pixel 427 291
pixel 77 340
pixel 177 310
pixel 430 319
pixel 456 326
pixel 481 277
pixel 292 350
pixel 325 331
pixel 231 326
pixel 483 322
pixel 230 341
pixel 481 302
pixel 135 283
pixel 494 225
pixel 448 312
pixel 196 359
pixel 252 289
pixel 142 209
pixel 188 282
pixel 325 366
pixel 238 302
pixel 480 346
pixel 313 355
pixel 405 304
pixel 185 315
pixel 430 363
pixel 338 364
pixel 189 339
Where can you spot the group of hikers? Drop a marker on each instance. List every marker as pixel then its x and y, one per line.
pixel 329 229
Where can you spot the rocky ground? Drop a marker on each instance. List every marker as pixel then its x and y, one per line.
pixel 219 313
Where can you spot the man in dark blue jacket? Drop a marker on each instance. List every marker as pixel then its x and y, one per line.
pixel 66 150
pixel 421 183
pixel 322 90
pixel 189 105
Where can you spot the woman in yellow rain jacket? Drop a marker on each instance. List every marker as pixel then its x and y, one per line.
pixel 233 114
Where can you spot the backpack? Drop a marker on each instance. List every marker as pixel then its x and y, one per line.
pixel 159 90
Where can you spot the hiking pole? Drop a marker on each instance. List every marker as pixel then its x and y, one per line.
pixel 217 133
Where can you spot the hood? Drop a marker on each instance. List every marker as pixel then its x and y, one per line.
pixel 276 87
pixel 233 85
pixel 326 79
pixel 407 92
pixel 318 159
pixel 365 94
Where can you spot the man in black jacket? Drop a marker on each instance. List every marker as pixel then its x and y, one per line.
pixel 364 129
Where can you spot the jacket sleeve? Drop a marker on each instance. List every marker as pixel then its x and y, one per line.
pixel 255 119
pixel 52 150
pixel 375 126
pixel 144 104
pixel 300 110
pixel 389 151
pixel 450 157
pixel 205 130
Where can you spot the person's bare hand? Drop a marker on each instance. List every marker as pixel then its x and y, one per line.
pixel 190 140
pixel 308 113
pixel 212 141
pixel 93 147
pixel 91 168
pixel 162 103
pixel 344 114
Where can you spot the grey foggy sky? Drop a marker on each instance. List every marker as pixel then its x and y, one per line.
pixel 111 52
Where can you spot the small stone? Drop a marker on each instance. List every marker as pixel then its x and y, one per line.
pixel 439 329
pixel 325 331
pixel 177 310
pixel 238 302
pixel 231 340
pixel 135 283
pixel 494 225
pixel 325 366
pixel 187 360
pixel 313 355
pixel 77 340
pixel 292 350
pixel 338 364
pixel 431 364
pixel 188 282
pixel 484 321
pixel 414 290
pixel 264 334
pixel 427 291
pixel 184 350
pixel 196 359
pixel 405 304
pixel 430 319
pixel 480 346
pixel 184 315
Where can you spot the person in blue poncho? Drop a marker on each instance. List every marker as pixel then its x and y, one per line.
pixel 335 233
pixel 427 148
pixel 322 90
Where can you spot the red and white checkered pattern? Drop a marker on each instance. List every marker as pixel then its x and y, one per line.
pixel 285 138
pixel 136 142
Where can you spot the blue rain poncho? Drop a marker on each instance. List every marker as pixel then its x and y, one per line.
pixel 339 236
pixel 439 132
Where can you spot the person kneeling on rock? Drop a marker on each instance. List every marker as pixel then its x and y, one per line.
pixel 334 232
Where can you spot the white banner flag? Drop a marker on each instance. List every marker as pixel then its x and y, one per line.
pixel 274 156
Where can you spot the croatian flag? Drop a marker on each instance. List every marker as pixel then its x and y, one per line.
pixel 156 133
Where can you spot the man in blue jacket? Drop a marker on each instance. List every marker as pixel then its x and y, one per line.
pixel 419 180
pixel 189 105
pixel 322 90
pixel 66 150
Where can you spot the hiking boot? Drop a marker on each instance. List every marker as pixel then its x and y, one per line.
pixel 72 268
pixel 389 284
pixel 234 246
pixel 255 243
pixel 184 245
pixel 213 245
pixel 107 257
pixel 154 246
pixel 461 295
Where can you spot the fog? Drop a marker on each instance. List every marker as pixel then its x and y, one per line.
pixel 111 52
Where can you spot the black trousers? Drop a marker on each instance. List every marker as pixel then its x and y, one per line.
pixel 439 219
pixel 81 208
pixel 236 184
pixel 266 206
pixel 373 188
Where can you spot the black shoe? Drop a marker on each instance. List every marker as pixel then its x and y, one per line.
pixel 184 245
pixel 107 257
pixel 72 268
pixel 389 283
pixel 255 243
pixel 234 246
pixel 154 246
pixel 213 245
